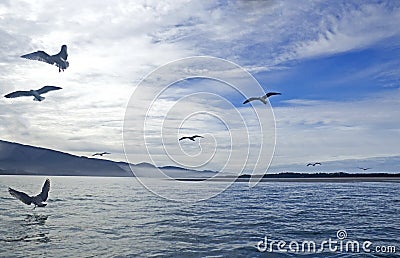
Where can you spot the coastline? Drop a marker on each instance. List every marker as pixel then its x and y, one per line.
pixel 304 179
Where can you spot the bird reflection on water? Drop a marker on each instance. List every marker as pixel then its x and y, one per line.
pixel 35 219
pixel 32 230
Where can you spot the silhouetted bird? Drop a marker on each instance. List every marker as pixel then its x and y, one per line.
pixel 313 164
pixel 101 153
pixel 191 137
pixel 37 200
pixel 59 60
pixel 35 93
pixel 364 168
pixel 263 98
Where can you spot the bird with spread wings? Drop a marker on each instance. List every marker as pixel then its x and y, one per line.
pixel 35 93
pixel 59 59
pixel 263 99
pixel 101 153
pixel 192 138
pixel 313 164
pixel 37 200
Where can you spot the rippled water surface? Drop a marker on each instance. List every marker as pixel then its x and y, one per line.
pixel 88 217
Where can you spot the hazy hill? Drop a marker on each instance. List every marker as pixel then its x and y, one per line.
pixel 388 164
pixel 19 159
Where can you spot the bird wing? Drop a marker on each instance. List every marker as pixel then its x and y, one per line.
pixel 254 98
pixel 318 163
pixel 39 56
pixel 269 94
pixel 309 164
pixel 20 93
pixel 45 190
pixel 47 89
pixel 197 136
pixel 23 197
pixel 63 52
pixel 182 138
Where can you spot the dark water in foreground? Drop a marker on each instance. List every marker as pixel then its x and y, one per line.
pixel 109 217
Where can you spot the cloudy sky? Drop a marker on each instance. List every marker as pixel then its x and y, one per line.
pixel 335 62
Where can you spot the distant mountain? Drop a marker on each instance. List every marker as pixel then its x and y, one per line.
pixel 20 159
pixel 326 175
pixel 310 177
pixel 387 164
pixel 186 169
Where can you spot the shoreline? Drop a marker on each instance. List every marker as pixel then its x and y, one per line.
pixel 302 179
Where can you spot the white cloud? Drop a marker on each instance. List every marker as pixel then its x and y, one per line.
pixel 354 29
pixel 337 130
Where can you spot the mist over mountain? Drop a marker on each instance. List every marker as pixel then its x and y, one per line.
pixel 388 164
pixel 20 159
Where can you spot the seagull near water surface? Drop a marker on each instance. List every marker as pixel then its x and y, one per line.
pixel 59 60
pixel 192 138
pixel 35 93
pixel 263 99
pixel 37 200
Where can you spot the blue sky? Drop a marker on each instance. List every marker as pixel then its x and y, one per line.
pixel 342 77
pixel 335 62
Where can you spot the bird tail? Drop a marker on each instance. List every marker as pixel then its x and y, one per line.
pixel 263 100
pixel 39 99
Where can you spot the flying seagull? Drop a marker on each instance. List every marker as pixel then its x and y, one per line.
pixel 59 60
pixel 101 153
pixel 191 137
pixel 263 98
pixel 37 200
pixel 313 164
pixel 35 93
pixel 364 168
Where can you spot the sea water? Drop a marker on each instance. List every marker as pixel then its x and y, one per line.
pixel 118 217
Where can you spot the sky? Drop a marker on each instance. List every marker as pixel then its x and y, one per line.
pixel 336 64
